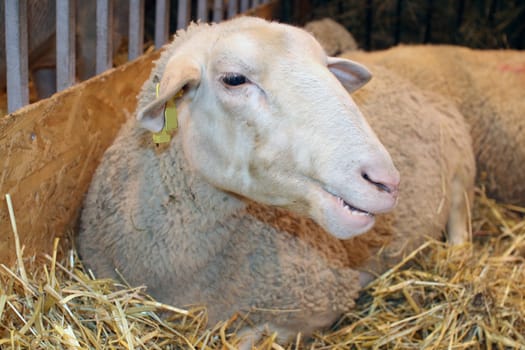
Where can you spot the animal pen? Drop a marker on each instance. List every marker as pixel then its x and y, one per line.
pixel 468 297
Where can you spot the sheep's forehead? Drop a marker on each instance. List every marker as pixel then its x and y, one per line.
pixel 261 47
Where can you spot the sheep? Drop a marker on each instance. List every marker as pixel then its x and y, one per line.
pixel 333 37
pixel 488 87
pixel 430 143
pixel 247 208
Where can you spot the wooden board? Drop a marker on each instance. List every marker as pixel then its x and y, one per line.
pixel 49 150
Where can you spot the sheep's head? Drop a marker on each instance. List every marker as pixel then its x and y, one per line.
pixel 265 114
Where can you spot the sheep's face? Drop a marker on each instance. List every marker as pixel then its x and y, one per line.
pixel 265 115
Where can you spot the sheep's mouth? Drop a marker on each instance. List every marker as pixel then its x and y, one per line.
pixel 352 209
pixel 342 218
pixel 342 204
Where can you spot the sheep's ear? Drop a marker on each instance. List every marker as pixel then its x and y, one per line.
pixel 180 72
pixel 351 74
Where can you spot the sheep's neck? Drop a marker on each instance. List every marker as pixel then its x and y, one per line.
pixel 203 216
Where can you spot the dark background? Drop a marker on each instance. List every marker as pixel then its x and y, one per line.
pixel 483 24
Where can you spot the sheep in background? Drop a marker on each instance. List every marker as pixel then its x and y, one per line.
pixel 333 37
pixel 488 87
pixel 267 138
pixel 430 144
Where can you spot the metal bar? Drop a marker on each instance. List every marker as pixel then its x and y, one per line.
pixel 232 8
pixel 459 19
pixel 428 29
pixel 217 10
pixel 202 10
pixel 182 14
pixel 65 43
pixel 16 54
pixel 492 10
pixel 136 29
pixel 245 5
pixel 369 14
pixel 104 49
pixel 162 16
pixel 399 14
pixel 255 3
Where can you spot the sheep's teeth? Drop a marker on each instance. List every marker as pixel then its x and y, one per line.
pixel 363 213
pixel 355 211
pixel 352 210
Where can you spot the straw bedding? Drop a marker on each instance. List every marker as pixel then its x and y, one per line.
pixel 439 297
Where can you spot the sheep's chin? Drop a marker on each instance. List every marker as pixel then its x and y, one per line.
pixel 343 220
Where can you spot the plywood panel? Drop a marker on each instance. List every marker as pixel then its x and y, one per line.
pixel 49 150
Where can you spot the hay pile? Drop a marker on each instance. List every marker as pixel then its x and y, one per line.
pixel 468 297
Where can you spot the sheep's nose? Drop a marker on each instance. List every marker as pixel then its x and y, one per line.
pixel 385 182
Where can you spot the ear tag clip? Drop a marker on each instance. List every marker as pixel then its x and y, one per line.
pixel 170 119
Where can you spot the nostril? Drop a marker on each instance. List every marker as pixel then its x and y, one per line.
pixel 388 188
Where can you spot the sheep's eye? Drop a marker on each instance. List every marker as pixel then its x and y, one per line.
pixel 234 79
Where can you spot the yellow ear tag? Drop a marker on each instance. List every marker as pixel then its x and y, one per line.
pixel 170 119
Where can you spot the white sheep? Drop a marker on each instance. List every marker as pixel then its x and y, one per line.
pixel 267 138
pixel 488 87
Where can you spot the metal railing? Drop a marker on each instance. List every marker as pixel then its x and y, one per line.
pixel 16 35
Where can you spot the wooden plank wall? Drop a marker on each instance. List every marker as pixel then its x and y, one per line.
pixel 50 149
